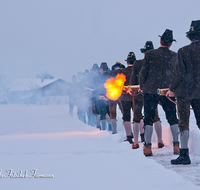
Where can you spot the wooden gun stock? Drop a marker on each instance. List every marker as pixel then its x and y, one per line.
pixel 163 91
pixel 88 89
pixel 131 88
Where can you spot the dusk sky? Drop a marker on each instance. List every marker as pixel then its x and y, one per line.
pixel 62 37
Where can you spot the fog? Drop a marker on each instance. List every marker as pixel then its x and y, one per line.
pixel 63 37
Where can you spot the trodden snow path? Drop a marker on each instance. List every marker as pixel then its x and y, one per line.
pixel 44 141
pixel 190 172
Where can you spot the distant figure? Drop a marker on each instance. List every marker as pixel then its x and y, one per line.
pixel 72 94
pixel 100 101
pixel 82 103
pixel 87 72
pixel 93 82
pixel 88 88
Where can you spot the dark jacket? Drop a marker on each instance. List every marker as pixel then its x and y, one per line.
pixel 135 76
pixel 136 70
pixel 113 73
pixel 186 79
pixel 127 72
pixel 157 69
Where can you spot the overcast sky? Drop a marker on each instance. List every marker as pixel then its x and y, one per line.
pixel 62 37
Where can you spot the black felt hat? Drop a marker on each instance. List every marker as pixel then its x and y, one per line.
pixel 117 64
pixel 148 46
pixel 194 27
pixel 104 66
pixel 168 35
pixel 131 57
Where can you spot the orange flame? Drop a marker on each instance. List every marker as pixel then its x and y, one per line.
pixel 114 86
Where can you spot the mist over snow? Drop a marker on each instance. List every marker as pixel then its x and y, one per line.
pixel 64 37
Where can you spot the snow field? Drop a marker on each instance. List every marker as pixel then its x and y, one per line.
pixel 46 138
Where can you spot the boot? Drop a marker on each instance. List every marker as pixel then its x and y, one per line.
pixel 135 146
pixel 142 137
pixel 176 148
pixel 160 145
pixel 147 150
pixel 129 139
pixel 99 127
pixel 183 158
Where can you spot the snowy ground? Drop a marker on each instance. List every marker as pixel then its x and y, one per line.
pixel 164 155
pixel 75 156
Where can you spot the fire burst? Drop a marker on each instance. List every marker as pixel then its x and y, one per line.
pixel 114 86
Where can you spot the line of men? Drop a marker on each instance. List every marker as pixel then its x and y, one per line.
pixel 81 98
pixel 161 68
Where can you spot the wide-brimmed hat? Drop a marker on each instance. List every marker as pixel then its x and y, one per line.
pixel 131 57
pixel 148 46
pixel 104 66
pixel 95 67
pixel 168 35
pixel 194 27
pixel 117 64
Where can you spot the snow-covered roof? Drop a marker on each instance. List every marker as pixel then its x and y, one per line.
pixel 29 84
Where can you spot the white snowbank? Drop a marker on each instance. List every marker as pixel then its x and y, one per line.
pixel 79 157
